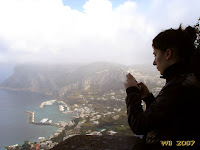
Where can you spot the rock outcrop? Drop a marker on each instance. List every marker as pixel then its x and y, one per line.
pixel 92 142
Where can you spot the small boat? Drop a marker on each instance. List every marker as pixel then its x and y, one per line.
pixel 44 120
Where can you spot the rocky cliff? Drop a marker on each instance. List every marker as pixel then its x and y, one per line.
pixel 84 142
pixel 60 80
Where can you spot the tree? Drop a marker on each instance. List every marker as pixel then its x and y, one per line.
pixel 18 147
pixel 26 146
pixel 7 147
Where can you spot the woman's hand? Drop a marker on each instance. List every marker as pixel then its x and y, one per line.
pixel 144 90
pixel 130 81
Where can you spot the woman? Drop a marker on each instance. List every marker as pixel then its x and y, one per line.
pixel 172 118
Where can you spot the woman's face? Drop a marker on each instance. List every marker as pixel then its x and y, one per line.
pixel 160 60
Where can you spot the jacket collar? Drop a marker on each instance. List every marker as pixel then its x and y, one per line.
pixel 173 70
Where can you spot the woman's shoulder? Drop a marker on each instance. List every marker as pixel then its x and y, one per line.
pixel 183 81
pixel 191 80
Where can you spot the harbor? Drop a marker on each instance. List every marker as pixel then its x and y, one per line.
pixel 50 102
pixel 42 122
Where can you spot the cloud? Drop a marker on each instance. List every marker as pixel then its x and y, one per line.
pixel 47 31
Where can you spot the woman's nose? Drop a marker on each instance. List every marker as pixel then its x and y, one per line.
pixel 154 62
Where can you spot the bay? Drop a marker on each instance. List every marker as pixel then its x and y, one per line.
pixel 14 123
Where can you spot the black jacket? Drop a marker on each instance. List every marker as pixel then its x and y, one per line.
pixel 173 115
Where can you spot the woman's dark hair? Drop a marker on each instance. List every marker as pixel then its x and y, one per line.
pixel 179 40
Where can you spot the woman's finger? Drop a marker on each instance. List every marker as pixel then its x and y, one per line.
pixel 127 76
pixel 142 84
pixel 130 75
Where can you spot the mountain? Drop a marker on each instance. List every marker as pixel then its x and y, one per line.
pixel 6 70
pixel 60 80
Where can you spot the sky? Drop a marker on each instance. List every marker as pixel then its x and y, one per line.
pixel 76 31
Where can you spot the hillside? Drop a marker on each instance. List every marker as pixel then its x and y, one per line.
pixel 94 93
pixel 60 80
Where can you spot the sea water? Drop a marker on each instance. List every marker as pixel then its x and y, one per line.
pixel 14 123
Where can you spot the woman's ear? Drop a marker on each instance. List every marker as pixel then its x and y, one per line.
pixel 168 54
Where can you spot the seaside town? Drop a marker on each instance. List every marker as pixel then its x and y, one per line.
pixel 95 113
pixel 64 63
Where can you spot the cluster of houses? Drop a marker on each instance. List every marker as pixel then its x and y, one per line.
pixel 108 96
pixel 110 132
pixel 83 111
pixel 42 144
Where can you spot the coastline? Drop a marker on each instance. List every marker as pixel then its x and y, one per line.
pixel 22 90
pixel 62 107
pixel 32 121
pixel 15 124
pixel 50 102
pixel 37 113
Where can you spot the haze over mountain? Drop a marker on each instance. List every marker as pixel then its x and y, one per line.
pixel 93 92
pixel 6 70
pixel 60 80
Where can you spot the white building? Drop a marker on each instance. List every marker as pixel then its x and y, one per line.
pixel 111 132
pixel 96 122
pixel 41 139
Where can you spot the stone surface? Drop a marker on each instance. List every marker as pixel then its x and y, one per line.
pixel 93 142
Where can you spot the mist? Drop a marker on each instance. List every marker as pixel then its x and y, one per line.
pixel 54 32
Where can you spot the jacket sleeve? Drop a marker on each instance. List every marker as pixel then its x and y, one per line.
pixel 148 100
pixel 141 122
